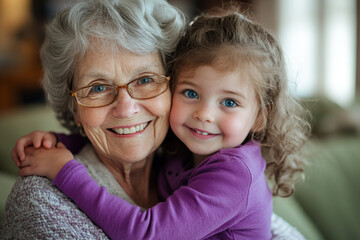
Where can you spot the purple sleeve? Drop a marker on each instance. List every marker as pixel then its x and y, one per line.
pixel 210 202
pixel 73 142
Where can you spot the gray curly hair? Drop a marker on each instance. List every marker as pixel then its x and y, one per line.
pixel 137 26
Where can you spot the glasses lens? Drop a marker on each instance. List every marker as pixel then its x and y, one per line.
pixel 147 86
pixel 100 95
pixel 96 95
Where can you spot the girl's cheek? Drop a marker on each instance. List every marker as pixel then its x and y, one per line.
pixel 234 132
pixel 176 116
pixel 173 118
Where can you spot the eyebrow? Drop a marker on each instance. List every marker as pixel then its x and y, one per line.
pixel 150 68
pixel 144 69
pixel 90 77
pixel 236 93
pixel 186 83
pixel 98 74
pixel 94 74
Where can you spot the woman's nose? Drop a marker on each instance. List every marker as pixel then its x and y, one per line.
pixel 125 106
pixel 204 114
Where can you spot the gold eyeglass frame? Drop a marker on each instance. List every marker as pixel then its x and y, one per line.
pixel 73 93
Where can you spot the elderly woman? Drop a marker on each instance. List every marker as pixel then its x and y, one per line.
pixel 91 46
pixel 123 44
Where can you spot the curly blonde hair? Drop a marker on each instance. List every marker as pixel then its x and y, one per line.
pixel 228 40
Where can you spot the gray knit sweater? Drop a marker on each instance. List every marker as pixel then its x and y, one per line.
pixel 36 209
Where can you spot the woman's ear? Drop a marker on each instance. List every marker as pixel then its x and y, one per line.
pixel 78 123
pixel 77 119
pixel 76 115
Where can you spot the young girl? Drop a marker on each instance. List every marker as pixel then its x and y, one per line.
pixel 231 107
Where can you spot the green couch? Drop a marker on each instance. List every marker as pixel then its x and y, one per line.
pixel 325 206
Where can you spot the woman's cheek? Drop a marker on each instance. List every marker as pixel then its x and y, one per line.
pixel 92 117
pixel 92 120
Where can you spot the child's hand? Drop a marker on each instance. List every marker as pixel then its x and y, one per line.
pixel 36 139
pixel 45 162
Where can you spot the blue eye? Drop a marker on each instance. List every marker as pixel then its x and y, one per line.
pixel 191 94
pixel 98 88
pixel 229 103
pixel 145 80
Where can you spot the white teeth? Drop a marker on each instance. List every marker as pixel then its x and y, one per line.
pixel 202 133
pixel 130 130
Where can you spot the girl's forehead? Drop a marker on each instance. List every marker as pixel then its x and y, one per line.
pixel 244 71
pixel 225 58
pixel 213 73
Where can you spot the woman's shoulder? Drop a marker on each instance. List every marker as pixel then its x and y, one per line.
pixel 31 188
pixel 36 209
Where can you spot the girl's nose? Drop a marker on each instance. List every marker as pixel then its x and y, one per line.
pixel 204 114
pixel 125 106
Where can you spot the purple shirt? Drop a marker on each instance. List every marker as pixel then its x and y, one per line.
pixel 225 197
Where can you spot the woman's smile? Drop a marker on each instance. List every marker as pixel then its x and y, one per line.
pixel 129 130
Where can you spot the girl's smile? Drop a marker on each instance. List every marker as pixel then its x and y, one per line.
pixel 202 134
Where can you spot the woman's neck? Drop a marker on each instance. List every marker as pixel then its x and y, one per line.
pixel 136 179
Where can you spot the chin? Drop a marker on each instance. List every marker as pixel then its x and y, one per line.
pixel 142 153
pixel 203 152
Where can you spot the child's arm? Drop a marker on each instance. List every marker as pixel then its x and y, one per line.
pixel 45 162
pixel 73 142
pixel 207 205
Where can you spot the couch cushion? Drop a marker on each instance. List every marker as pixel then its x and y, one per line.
pixel 6 182
pixel 331 192
pixel 292 212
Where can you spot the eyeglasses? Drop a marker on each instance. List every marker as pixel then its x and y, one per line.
pixel 100 95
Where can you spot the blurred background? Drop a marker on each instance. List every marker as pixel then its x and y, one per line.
pixel 320 39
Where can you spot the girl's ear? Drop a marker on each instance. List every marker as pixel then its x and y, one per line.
pixel 260 122
pixel 261 119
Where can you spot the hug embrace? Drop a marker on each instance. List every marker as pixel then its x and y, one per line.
pixel 177 129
